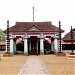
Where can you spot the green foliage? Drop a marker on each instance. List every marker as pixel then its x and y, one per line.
pixel 2 36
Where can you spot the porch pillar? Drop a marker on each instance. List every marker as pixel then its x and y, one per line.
pixel 11 46
pixel 25 44
pixel 41 46
pixel 52 45
pixel 55 45
pixel 14 47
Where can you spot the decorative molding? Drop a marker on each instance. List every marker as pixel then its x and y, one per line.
pixel 25 36
pixel 41 36
pixel 11 36
pixel 56 36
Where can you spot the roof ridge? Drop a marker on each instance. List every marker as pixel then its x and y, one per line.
pixel 35 22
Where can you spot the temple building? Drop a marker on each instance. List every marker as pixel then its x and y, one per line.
pixel 34 37
pixel 66 41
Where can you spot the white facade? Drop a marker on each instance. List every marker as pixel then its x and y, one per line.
pixel 39 43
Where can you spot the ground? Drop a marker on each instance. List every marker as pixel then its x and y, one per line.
pixel 11 65
pixel 59 65
pixel 56 65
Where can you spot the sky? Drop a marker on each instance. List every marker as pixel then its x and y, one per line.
pixel 45 10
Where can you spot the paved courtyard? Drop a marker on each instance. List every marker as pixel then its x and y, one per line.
pixel 33 65
pixel 56 65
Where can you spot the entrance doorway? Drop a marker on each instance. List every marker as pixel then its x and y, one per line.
pixel 33 47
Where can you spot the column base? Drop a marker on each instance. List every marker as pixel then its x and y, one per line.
pixel 25 53
pixel 15 52
pixel 12 52
pixel 41 53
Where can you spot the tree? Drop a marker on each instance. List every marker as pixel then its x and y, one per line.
pixel 2 35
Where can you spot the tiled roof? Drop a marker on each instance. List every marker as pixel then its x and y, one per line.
pixel 23 27
pixel 67 37
pixel 2 43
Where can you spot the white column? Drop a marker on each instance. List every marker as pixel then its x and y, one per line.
pixel 11 46
pixel 41 46
pixel 52 45
pixel 56 45
pixel 25 46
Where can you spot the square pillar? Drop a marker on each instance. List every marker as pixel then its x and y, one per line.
pixel 41 46
pixel 25 46
pixel 56 45
pixel 11 46
pixel 14 47
pixel 52 45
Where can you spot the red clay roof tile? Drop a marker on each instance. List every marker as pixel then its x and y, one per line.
pixel 67 37
pixel 22 27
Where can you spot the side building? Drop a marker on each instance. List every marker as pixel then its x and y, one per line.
pixel 66 42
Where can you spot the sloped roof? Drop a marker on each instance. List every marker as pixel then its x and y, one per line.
pixel 2 43
pixel 67 37
pixel 22 27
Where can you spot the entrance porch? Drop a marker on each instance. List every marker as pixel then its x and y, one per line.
pixel 33 45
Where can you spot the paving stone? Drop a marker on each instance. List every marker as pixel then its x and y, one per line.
pixel 33 66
